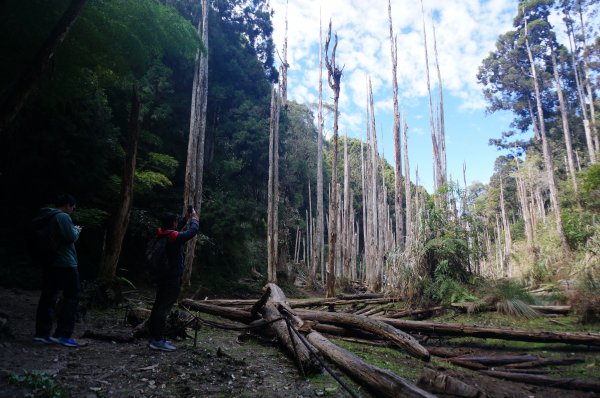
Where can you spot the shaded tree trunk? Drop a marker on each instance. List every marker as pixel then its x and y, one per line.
pixel 110 259
pixel 195 157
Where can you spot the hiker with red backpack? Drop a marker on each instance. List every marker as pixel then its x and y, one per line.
pixel 56 235
pixel 169 275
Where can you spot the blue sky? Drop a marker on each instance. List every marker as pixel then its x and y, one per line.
pixel 466 32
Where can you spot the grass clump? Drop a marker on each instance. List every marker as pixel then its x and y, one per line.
pixel 42 385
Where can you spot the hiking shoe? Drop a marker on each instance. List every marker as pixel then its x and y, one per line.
pixel 67 342
pixel 162 345
pixel 43 339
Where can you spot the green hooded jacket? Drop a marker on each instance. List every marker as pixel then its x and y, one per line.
pixel 63 233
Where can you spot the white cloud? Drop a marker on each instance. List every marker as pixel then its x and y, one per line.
pixel 466 31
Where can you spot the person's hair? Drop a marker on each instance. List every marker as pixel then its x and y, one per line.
pixel 168 220
pixel 65 199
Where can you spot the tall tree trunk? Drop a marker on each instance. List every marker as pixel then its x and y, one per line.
pixel 346 218
pixel 334 77
pixel 549 164
pixel 195 157
pixel 284 64
pixel 398 193
pixel 407 188
pixel 272 206
pixel 438 174
pixel 586 79
pixel 580 94
pixel 374 283
pixel 17 95
pixel 110 259
pixel 566 131
pixel 318 252
pixel 441 130
pixel 507 236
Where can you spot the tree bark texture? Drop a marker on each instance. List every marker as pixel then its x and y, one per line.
pixel 195 157
pixel 372 325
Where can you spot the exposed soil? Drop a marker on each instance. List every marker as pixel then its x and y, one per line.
pixel 220 365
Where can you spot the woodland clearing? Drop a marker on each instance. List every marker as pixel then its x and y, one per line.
pixel 222 364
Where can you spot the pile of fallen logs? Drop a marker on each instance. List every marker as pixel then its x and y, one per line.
pixel 298 329
pixel 359 319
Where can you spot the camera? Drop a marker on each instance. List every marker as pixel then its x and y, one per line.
pixel 190 209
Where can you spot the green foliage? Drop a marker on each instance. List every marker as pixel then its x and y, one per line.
pixel 90 218
pixel 512 299
pixel 161 163
pixel 591 187
pixel 577 226
pixel 147 181
pixel 43 386
pixel 445 287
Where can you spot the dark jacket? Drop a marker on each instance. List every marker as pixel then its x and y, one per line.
pixel 175 240
pixel 62 233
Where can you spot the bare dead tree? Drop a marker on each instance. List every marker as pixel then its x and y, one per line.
pixel 319 227
pixel 334 77
pixel 399 193
pixel 273 189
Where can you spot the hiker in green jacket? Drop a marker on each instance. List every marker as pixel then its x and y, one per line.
pixel 59 273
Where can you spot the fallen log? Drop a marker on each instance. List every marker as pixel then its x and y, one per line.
pixel 545 309
pixel 547 381
pixel 448 329
pixel 233 314
pixel 552 309
pixel 463 363
pixel 271 300
pixel 381 382
pixel 545 362
pixel 499 359
pixel 442 353
pixel 372 325
pixel 441 383
pixel 108 336
pixel 423 311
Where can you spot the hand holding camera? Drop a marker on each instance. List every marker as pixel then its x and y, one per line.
pixel 192 212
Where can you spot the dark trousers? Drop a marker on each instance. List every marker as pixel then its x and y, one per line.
pixel 55 280
pixel 167 291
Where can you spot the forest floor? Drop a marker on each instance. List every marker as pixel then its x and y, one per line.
pixel 221 365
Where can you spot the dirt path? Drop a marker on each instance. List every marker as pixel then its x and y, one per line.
pixel 219 366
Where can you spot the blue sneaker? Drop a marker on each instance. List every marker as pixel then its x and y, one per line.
pixel 43 339
pixel 67 342
pixel 162 345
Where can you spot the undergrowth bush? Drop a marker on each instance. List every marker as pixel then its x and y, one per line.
pixel 445 287
pixel 586 299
